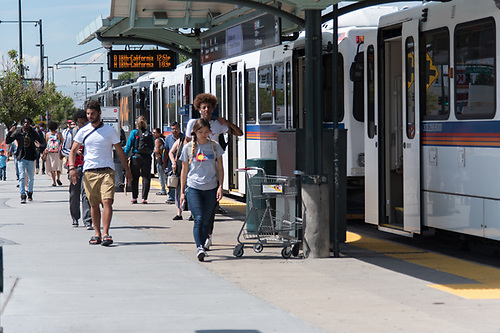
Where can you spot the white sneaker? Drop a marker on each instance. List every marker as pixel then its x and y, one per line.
pixel 201 253
pixel 208 243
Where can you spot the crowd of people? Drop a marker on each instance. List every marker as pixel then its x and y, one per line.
pixel 189 165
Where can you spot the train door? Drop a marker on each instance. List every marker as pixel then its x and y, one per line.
pixel 155 107
pixel 411 128
pixel 240 122
pixel 372 178
pixel 232 111
pixel 399 136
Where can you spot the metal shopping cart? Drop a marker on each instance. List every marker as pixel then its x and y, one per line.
pixel 270 220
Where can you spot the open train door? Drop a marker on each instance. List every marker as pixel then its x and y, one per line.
pixel 411 128
pixel 240 122
pixel 371 135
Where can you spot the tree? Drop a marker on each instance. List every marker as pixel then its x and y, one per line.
pixel 20 97
pixel 126 76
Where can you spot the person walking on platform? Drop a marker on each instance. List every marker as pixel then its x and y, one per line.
pixel 141 144
pixel 206 104
pixel 3 164
pixel 12 152
pixel 98 169
pixel 40 129
pixel 27 143
pixel 159 152
pixel 201 180
pixel 53 162
pixel 27 140
pixel 76 191
pixel 169 142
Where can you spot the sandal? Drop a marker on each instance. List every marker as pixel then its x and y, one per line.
pixel 107 240
pixel 95 240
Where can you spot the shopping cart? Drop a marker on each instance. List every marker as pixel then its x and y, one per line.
pixel 271 220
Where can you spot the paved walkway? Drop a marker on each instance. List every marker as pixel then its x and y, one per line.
pixel 150 280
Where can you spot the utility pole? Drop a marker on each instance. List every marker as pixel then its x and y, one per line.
pixel 85 77
pixel 42 74
pixel 21 66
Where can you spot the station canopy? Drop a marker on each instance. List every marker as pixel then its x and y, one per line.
pixel 173 22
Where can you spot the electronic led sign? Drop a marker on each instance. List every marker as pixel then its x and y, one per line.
pixel 141 60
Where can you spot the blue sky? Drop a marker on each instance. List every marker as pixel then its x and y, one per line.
pixel 62 20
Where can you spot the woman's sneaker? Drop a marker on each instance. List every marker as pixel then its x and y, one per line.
pixel 201 253
pixel 208 243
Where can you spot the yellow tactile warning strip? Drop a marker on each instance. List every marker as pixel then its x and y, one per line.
pixel 234 205
pixel 487 278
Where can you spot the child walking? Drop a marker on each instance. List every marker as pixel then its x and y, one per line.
pixel 3 165
pixel 201 180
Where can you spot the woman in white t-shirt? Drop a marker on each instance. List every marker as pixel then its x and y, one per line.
pixel 201 180
pixel 53 162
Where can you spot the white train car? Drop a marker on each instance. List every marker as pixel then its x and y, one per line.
pixel 169 92
pixel 432 140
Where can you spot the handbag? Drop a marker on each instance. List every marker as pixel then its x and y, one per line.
pixel 178 163
pixel 173 180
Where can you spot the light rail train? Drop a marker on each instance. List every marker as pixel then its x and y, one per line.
pixel 262 92
pixel 432 130
pixel 426 141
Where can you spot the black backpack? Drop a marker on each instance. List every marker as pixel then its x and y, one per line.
pixel 356 72
pixel 144 142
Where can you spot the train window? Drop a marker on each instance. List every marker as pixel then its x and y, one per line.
pixel 279 93
pixel 218 94
pixel 164 102
pixel 155 106
pixel 435 59
pixel 327 88
pixel 179 95
pixel 370 80
pixel 172 107
pixel 475 68
pixel 251 104
pixel 265 95
pixel 410 87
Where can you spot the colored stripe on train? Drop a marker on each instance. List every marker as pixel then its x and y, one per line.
pixel 270 132
pixel 484 134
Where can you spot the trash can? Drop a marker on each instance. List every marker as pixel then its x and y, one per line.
pixel 269 166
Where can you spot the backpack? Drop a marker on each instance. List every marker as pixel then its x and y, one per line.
pixel 53 145
pixel 356 72
pixel 144 142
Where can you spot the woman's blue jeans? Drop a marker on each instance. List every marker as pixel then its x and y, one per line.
pixel 202 204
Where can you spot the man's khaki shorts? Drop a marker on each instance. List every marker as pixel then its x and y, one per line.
pixel 99 185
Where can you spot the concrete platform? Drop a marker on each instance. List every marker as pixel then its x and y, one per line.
pixel 150 280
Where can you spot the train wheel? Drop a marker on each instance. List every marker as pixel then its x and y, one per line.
pixel 286 252
pixel 258 247
pixel 238 250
